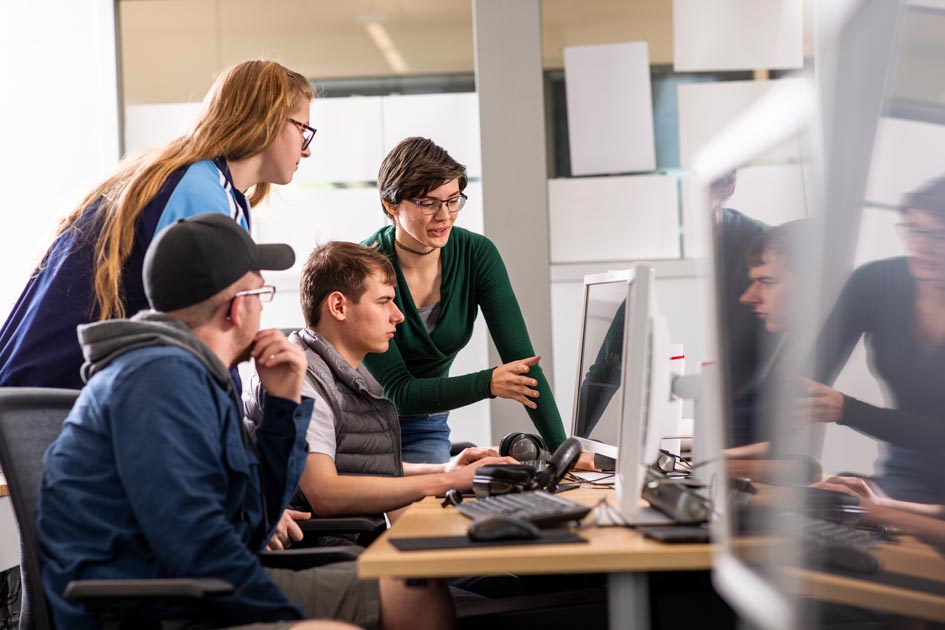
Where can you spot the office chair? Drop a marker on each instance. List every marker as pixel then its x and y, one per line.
pixel 30 420
pixel 365 528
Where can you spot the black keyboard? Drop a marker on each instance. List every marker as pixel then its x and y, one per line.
pixel 834 546
pixel 539 507
pixel 823 531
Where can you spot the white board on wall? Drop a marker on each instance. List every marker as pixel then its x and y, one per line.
pixel 610 108
pixel 631 217
pixel 151 126
pixel 450 120
pixel 907 154
pixel 348 146
pixel 707 108
pixel 737 35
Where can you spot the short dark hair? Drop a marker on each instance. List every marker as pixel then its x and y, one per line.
pixel 930 197
pixel 415 167
pixel 782 240
pixel 339 266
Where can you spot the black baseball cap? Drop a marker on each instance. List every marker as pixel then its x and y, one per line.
pixel 196 258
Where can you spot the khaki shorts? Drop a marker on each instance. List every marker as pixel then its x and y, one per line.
pixel 329 592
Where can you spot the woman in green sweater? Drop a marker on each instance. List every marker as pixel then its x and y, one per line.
pixel 445 274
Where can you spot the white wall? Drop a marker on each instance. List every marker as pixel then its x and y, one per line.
pixel 58 121
pixel 737 34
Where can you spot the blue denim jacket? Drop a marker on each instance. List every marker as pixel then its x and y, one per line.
pixel 153 476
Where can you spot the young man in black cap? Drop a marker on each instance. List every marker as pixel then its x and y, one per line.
pixel 153 474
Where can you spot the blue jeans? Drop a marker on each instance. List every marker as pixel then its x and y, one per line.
pixel 425 438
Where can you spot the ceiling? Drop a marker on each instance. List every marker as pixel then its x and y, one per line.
pixel 172 49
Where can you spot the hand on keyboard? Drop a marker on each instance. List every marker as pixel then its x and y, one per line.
pixel 468 456
pixel 462 478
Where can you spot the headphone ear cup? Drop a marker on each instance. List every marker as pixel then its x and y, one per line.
pixel 505 444
pixel 526 447
pixel 666 462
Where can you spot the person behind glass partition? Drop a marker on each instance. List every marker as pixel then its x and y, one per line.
pixel 898 305
pixel 746 337
pixel 774 275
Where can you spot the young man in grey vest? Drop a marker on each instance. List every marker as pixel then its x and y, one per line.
pixel 354 464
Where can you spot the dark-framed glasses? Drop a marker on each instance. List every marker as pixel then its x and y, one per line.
pixel 432 206
pixel 307 133
pixel 935 238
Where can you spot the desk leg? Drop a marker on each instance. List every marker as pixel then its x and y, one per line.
pixel 628 601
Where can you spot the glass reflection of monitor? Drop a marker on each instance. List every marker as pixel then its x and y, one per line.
pixel 850 37
pixel 746 576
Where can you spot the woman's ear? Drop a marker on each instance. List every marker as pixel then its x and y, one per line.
pixel 392 210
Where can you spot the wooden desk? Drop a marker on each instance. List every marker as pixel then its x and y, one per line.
pixel 623 553
pixel 907 556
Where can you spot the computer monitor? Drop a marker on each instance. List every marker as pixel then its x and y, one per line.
pixel 598 397
pixel 622 402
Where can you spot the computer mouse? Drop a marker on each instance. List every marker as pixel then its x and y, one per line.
pixel 502 528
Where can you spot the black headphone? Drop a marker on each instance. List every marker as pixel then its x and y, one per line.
pixel 505 478
pixel 523 447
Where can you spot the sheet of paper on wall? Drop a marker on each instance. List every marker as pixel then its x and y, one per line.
pixel 737 35
pixel 610 108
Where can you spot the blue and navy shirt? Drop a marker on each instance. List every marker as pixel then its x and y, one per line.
pixel 38 345
pixel 151 478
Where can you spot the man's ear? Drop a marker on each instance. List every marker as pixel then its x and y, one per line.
pixel 233 315
pixel 337 305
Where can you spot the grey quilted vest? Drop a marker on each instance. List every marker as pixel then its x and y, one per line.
pixel 367 429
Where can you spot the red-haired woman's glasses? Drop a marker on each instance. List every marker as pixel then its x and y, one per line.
pixel 307 133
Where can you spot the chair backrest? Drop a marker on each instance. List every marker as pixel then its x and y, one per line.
pixel 30 420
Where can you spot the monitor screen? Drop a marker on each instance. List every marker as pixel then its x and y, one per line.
pixel 598 401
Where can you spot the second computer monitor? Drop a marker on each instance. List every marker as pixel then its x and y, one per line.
pixel 598 399
pixel 620 389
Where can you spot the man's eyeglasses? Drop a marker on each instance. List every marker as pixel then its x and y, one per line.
pixel 307 133
pixel 432 206
pixel 936 238
pixel 265 294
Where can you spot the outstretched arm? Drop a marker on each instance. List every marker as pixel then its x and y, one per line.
pixel 332 494
pixel 510 335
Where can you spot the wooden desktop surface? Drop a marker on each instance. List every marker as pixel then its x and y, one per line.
pixel 4 489
pixel 608 550
pixel 907 556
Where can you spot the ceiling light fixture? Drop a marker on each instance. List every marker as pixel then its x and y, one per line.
pixel 382 40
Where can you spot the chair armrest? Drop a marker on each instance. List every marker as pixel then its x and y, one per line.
pixel 323 526
pixel 299 559
pixel 177 588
